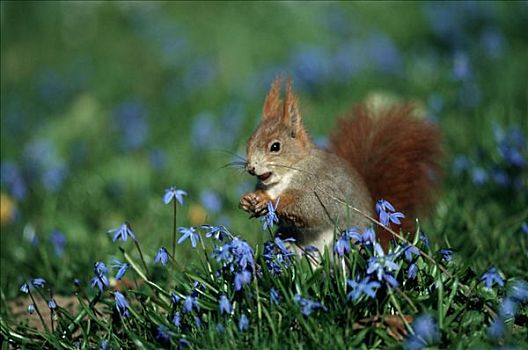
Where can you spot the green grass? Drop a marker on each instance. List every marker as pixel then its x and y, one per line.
pixel 69 69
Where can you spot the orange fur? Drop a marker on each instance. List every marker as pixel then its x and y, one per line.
pixel 397 156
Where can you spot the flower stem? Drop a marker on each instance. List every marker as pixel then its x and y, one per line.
pixel 38 311
pixel 174 229
pixel 141 256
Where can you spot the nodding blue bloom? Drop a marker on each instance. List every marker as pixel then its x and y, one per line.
pixel 271 216
pixel 412 271
pixel 123 232
pixel 183 343
pixel 121 304
pixel 243 323
pixel 31 309
pixel 38 282
pixel 172 193
pixel 224 305
pixel 162 256
pixel 211 201
pixel 190 303
pixel 189 233
pixel 342 247
pixel 367 237
pixel 381 265
pixel 492 276
pixel 100 268
pixel 365 286
pixel 426 333
pixel 241 279
pixel 479 176
pixel 176 319
pixel 446 254
pixel 274 296
pixel 101 282
pixel 217 232
pixel 175 299
pixel 496 329
pixel 519 291
pixel 104 344
pixel 424 239
pixel 58 241
pixel 76 282
pixel 524 227
pixel 409 251
pixel 198 321
pixel 220 328
pixel 387 214
pixel 122 268
pixel 508 308
pixel 308 306
pixel 243 253
pixel 24 288
pixel 163 333
pixel 52 304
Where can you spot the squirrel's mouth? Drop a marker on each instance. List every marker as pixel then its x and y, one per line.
pixel 264 176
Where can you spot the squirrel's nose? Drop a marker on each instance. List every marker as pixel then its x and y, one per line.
pixel 250 169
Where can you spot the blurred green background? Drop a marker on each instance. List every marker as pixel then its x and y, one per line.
pixel 106 104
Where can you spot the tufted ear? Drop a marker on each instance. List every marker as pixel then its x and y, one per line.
pixel 291 115
pixel 273 103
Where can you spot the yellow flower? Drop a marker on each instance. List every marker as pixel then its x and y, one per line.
pixel 7 209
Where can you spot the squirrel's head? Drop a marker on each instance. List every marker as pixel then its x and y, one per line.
pixel 280 141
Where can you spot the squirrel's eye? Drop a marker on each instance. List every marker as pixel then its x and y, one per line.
pixel 275 147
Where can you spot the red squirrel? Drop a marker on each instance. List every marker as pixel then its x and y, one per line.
pixel 385 154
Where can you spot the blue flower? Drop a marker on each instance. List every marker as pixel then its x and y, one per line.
pixel 412 271
pixel 123 232
pixel 274 296
pixel 224 305
pixel 121 304
pixel 100 268
pixel 163 333
pixel 271 216
pixel 162 256
pixel 38 282
pixel 496 329
pixel 197 322
pixel 241 279
pixel 308 306
pixel 189 233
pixel 382 265
pixel 367 237
pixel 243 253
pixel 479 176
pixel 387 214
pixel 524 227
pixel 104 344
pixel 52 304
pixel 217 232
pixel 31 309
pixel 365 286
pixel 243 323
pixel 190 303
pixel 175 299
pixel 446 254
pixel 426 333
pixel 58 241
pixel 508 308
pixel 122 268
pixel 492 276
pixel 172 193
pixel 342 247
pixel 183 343
pixel 101 282
pixel 424 239
pixel 409 251
pixel 130 116
pixel 24 288
pixel 176 319
pixel 519 291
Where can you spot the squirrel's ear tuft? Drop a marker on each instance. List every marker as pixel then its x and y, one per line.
pixel 291 114
pixel 272 105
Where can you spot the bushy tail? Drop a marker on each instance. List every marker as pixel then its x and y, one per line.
pixel 397 155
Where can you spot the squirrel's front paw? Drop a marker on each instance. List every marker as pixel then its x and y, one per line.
pixel 254 203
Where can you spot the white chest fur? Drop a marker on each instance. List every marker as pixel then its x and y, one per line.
pixel 276 189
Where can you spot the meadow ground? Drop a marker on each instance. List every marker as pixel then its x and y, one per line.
pixel 106 105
